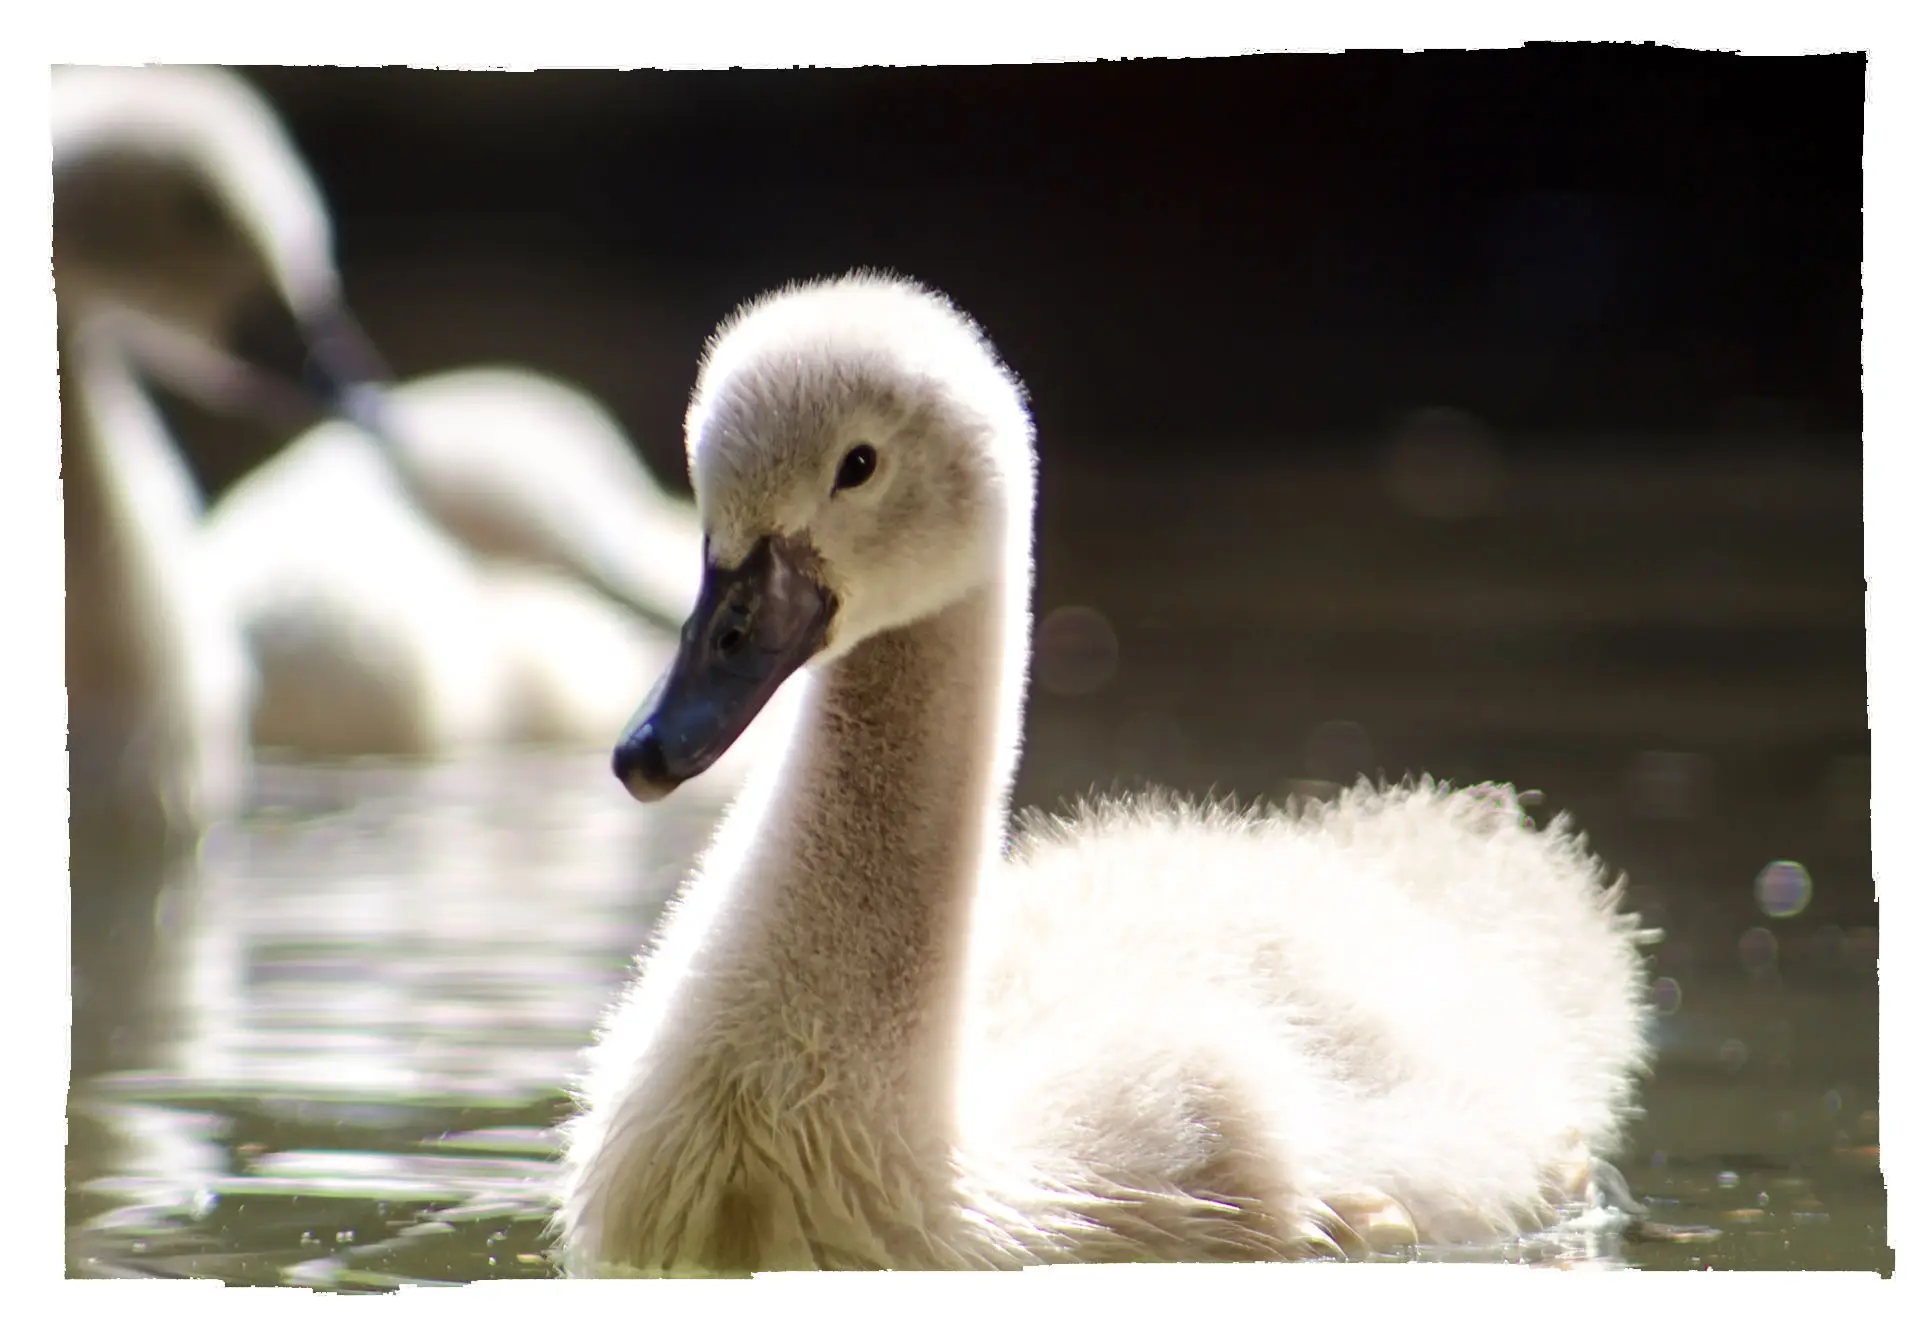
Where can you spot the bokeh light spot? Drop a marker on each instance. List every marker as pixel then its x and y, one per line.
pixel 1783 889
pixel 1666 995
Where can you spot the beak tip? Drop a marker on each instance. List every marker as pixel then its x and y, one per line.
pixel 640 764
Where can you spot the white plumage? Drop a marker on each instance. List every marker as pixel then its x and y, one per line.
pixel 453 588
pixel 1159 1031
pixel 172 207
pixel 495 568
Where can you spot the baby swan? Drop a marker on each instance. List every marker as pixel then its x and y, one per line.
pixel 1158 1032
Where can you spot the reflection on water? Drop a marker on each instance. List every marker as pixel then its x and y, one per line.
pixel 358 1010
pixel 343 1062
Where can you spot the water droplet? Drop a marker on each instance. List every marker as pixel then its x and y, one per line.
pixel 1728 1179
pixel 1783 889
pixel 1666 995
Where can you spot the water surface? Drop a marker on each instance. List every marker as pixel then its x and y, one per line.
pixel 331 1051
pixel 340 1064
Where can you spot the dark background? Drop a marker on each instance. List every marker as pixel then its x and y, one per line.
pixel 1494 414
pixel 1647 244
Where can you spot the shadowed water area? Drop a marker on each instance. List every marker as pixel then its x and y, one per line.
pixel 331 1051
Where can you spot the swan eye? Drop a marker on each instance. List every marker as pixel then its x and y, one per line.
pixel 856 468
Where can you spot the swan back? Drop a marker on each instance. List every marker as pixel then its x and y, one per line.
pixel 518 465
pixel 372 630
pixel 378 633
pixel 382 630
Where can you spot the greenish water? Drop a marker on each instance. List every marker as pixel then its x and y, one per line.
pixel 331 1051
pixel 338 1062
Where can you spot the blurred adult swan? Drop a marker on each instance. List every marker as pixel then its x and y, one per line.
pixel 379 631
pixel 184 247
pixel 1159 1030
pixel 481 560
pixel 523 467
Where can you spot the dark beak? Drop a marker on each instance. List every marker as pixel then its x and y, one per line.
pixel 322 357
pixel 753 626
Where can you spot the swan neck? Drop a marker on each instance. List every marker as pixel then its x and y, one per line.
pixel 889 804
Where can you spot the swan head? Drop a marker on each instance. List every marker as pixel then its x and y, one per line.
pixel 860 460
pixel 187 226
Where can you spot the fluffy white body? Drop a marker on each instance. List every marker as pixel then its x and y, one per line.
pixel 865 1038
